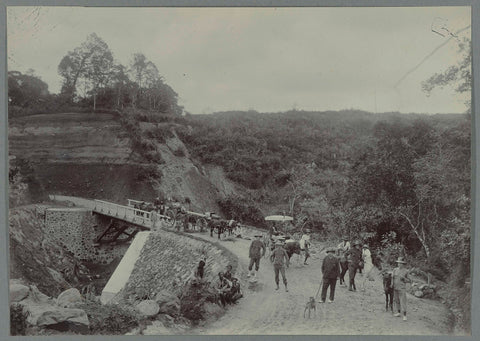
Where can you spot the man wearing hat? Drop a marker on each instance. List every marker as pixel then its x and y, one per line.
pixel 279 257
pixel 257 251
pixel 399 282
pixel 354 256
pixel 304 244
pixel 330 270
pixel 342 248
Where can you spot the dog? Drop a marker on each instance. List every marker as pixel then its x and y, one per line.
pixel 388 288
pixel 309 306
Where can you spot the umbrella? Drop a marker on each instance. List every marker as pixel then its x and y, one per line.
pixel 278 218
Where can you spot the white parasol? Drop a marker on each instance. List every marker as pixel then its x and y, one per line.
pixel 278 218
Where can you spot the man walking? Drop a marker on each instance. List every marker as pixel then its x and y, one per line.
pixel 280 258
pixel 354 256
pixel 399 280
pixel 257 251
pixel 343 247
pixel 330 270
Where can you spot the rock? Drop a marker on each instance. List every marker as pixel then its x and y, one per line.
pixel 168 303
pixel 418 293
pixel 18 292
pixel 57 317
pixel 69 298
pixel 156 328
pixel 148 308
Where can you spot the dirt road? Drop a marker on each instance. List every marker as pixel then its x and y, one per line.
pixel 264 310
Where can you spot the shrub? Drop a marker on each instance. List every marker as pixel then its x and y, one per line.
pixel 148 172
pixel 239 208
pixel 18 320
pixel 110 319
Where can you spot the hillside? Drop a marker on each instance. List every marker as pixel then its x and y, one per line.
pixel 91 155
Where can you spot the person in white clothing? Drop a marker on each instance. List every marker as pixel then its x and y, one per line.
pixel 368 264
pixel 305 244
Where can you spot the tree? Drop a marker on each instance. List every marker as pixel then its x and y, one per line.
pixel 24 90
pixel 459 75
pixel 92 60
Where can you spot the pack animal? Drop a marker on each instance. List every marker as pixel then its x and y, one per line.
pixel 292 247
pixel 387 287
pixel 310 306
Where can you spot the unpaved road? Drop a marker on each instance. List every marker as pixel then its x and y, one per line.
pixel 263 310
pixel 267 311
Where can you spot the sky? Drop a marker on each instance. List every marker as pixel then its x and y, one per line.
pixel 263 59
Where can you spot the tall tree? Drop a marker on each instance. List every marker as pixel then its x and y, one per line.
pixel 92 60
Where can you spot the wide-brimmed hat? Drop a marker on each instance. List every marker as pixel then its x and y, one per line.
pixel 357 242
pixel 365 246
pixel 401 260
pixel 345 237
pixel 279 242
pixel 307 231
pixel 331 249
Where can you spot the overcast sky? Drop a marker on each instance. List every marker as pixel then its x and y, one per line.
pixel 266 59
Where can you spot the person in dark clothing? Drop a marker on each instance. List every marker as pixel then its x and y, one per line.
pixel 280 258
pixel 354 256
pixel 228 273
pixel 255 253
pixel 331 271
pixel 200 268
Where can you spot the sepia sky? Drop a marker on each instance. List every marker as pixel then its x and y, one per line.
pixel 266 59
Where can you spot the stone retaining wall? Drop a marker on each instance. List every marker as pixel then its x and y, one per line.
pixel 76 229
pixel 168 259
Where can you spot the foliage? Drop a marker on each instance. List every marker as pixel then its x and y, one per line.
pixel 110 319
pixel 18 320
pixel 193 298
pixel 459 75
pixel 241 209
pixel 26 90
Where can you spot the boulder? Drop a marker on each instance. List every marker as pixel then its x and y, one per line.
pixel 69 298
pixel 45 315
pixel 18 292
pixel 168 303
pixel 148 308
pixel 418 293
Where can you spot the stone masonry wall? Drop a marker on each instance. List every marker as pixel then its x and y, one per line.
pixel 168 259
pixel 75 229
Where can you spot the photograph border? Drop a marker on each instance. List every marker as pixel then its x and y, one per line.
pixel 4 293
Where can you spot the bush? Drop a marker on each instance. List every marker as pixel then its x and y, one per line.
pixel 238 208
pixel 192 300
pixel 110 319
pixel 148 172
pixel 18 320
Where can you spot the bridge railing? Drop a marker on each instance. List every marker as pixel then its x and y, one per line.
pixel 123 212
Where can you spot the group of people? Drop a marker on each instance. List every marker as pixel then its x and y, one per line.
pixel 220 226
pixel 228 287
pixel 352 257
pixel 356 258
